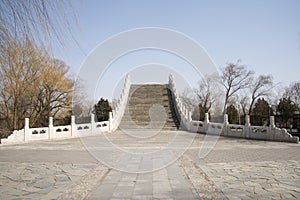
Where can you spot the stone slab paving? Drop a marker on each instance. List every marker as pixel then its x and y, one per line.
pixel 168 183
pixel 259 180
pixel 248 169
pixel 234 169
pixel 39 180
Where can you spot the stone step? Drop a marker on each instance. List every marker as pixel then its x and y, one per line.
pixel 128 123
pixel 147 121
pixel 168 117
pixel 148 101
pixel 147 105
pixel 147 118
pixel 146 126
pixel 134 112
pixel 141 99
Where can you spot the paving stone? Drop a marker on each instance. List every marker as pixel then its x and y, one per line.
pixel 234 169
pixel 104 191
pixel 43 183
pixel 123 192
pixel 279 174
pixel 145 188
pixel 142 197
pixel 61 178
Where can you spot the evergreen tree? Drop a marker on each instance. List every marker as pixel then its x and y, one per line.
pixel 102 109
pixel 286 108
pixel 233 116
pixel 261 113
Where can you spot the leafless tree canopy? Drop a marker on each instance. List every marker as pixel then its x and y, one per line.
pixel 240 88
pixel 293 92
pixel 32 84
pixel 204 98
pixel 260 87
pixel 235 77
pixel 207 92
pixel 37 20
pixel 189 99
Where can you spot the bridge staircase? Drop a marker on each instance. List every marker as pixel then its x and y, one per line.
pixel 150 106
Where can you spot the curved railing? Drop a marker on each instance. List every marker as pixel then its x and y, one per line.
pixel 119 110
pixel 182 112
pixel 248 131
pixel 231 130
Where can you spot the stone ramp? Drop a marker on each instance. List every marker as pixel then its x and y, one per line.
pixel 149 107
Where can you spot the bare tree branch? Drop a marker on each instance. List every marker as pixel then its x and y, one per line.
pixel 293 92
pixel 32 85
pixel 262 86
pixel 36 20
pixel 235 77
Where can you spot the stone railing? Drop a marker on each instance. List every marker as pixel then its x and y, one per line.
pixel 184 115
pixel 79 130
pixel 73 130
pixel 118 112
pixel 56 132
pixel 225 129
pixel 270 133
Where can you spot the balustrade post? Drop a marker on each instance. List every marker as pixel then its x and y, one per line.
pixel 225 125
pixel 226 120
pixel 73 126
pixel 270 130
pixel 93 124
pixel 110 121
pixel 272 122
pixel 170 78
pixel 128 79
pixel 206 122
pixel 247 127
pixel 50 128
pixel 247 120
pixel 26 130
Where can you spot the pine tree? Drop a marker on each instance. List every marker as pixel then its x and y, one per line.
pixel 233 116
pixel 102 109
pixel 286 108
pixel 261 113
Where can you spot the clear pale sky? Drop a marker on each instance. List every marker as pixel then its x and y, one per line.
pixel 264 34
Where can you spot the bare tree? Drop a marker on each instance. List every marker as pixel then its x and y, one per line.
pixel 36 20
pixel 234 77
pixel 261 87
pixel 18 67
pixel 32 85
pixel 207 92
pixel 189 99
pixel 53 92
pixel 293 92
pixel 243 101
pixel 202 98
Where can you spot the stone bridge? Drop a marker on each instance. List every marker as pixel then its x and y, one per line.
pixel 151 107
pixel 141 153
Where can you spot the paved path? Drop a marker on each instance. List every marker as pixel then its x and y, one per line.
pixel 234 169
